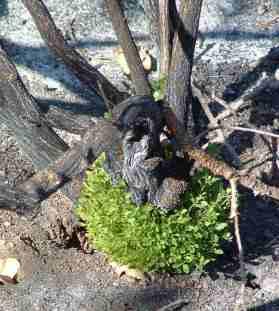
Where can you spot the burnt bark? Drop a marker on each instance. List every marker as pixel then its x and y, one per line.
pixel 70 117
pixel 165 37
pixel 68 170
pixel 128 45
pixel 54 39
pixel 179 80
pixel 21 114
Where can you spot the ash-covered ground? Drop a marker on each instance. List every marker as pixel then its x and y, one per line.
pixel 235 37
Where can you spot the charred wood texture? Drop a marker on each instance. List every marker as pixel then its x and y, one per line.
pixel 166 35
pixel 133 133
pixel 179 80
pixel 101 137
pixel 71 117
pixel 126 41
pixel 54 39
pixel 21 114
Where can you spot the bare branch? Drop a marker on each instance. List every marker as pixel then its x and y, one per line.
pixel 251 130
pixel 128 45
pixel 71 58
pixel 237 128
pixel 165 37
pixel 204 101
pixel 242 100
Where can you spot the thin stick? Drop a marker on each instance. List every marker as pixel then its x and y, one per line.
pixel 223 103
pixel 204 101
pixel 176 305
pixel 236 128
pixel 235 216
pixel 247 129
pixel 242 100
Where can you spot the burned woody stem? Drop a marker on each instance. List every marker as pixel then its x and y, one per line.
pixel 22 115
pixel 54 39
pixel 179 79
pixel 128 45
pixel 165 37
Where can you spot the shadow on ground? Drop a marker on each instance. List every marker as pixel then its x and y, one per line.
pixel 271 306
pixel 3 8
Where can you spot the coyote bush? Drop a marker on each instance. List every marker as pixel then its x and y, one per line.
pixel 147 239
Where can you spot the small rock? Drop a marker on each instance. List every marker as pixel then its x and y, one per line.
pixel 51 84
pixel 145 57
pixel 130 273
pixel 9 267
pixel 275 254
pixel 276 74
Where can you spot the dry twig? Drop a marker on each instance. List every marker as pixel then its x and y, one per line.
pixel 176 305
pixel 242 100
pixel 204 101
pixel 234 215
pixel 236 128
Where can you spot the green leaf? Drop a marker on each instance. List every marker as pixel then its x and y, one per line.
pixel 221 226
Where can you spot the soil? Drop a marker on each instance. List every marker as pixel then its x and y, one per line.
pixel 63 277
